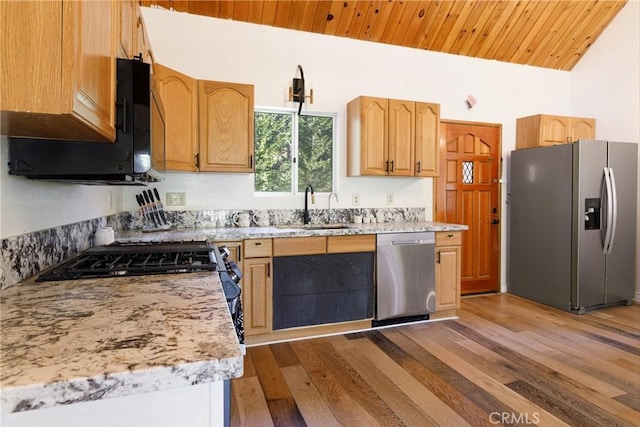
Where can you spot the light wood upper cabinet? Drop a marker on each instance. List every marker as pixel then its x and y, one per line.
pixel 402 134
pixel 226 127
pixel 127 28
pixel 58 69
pixel 388 137
pixel 209 124
pixel 367 141
pixel 543 130
pixel 427 142
pixel 179 95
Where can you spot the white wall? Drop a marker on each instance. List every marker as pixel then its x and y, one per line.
pixel 606 83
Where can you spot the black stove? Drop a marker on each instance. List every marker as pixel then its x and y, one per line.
pixel 136 259
pixel 145 258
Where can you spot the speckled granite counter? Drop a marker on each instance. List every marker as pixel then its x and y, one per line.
pixel 72 341
pixel 237 233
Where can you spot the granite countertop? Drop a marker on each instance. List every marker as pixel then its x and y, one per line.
pixel 72 341
pixel 289 230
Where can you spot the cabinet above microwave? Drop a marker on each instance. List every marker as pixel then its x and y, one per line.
pixel 58 75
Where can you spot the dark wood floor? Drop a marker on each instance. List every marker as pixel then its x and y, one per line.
pixel 505 360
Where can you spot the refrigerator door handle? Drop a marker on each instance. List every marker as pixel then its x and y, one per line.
pixel 614 213
pixel 608 211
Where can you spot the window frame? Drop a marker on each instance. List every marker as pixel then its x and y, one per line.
pixel 294 151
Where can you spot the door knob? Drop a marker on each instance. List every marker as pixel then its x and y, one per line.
pixel 495 221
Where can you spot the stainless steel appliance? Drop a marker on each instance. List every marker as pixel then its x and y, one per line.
pixel 573 224
pixel 405 277
pixel 133 159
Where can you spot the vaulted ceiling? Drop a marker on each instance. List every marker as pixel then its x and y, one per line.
pixel 551 34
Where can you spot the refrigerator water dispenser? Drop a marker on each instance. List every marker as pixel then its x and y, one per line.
pixel 592 214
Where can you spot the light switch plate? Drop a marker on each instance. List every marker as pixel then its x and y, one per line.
pixel 176 199
pixel 389 199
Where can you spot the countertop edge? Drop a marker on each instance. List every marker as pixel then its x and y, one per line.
pixel 37 396
pixel 286 230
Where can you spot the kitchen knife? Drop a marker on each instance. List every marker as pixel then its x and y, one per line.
pixel 159 202
pixel 145 209
pixel 156 209
pixel 152 213
pixel 141 204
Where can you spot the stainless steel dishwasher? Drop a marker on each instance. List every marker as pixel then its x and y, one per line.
pixel 405 288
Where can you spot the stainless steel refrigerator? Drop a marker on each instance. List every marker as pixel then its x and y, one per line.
pixel 572 235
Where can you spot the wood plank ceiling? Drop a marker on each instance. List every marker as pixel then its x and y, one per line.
pixel 550 34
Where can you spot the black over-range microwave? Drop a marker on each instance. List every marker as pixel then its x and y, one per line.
pixel 135 157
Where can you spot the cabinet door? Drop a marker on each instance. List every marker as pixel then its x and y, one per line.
pixel 582 129
pixel 402 127
pixel 226 127
pixel 427 139
pixel 374 126
pixel 179 96
pixel 257 296
pixel 127 28
pixel 92 65
pixel 59 76
pixel 448 268
pixel 554 130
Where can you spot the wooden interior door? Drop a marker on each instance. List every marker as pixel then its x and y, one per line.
pixel 468 192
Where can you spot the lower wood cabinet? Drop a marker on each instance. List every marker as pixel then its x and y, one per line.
pixel 448 270
pixel 257 287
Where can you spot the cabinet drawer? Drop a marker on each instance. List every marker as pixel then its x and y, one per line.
pixel 449 238
pixel 348 244
pixel 287 246
pixel 257 248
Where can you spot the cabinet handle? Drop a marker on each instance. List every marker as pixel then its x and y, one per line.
pixel 251 161
pixel 239 253
pixel 258 243
pixel 197 160
pixel 269 270
pixel 392 167
pixel 438 257
pixel 419 167
pixel 123 125
pixel 449 235
pixel 386 166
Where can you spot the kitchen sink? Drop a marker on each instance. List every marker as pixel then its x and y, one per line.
pixel 316 226
pixel 325 226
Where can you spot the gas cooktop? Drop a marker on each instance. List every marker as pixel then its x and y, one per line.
pixel 136 259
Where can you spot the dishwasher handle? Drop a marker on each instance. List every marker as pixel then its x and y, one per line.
pixel 411 242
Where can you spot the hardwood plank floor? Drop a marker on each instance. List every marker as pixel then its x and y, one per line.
pixel 504 361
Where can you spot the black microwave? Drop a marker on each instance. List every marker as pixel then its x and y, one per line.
pixel 135 158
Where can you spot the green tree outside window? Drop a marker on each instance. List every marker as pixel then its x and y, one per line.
pixel 292 151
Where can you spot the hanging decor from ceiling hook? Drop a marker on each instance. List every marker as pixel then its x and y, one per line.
pixel 296 91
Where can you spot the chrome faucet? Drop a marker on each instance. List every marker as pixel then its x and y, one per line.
pixel 332 194
pixel 306 218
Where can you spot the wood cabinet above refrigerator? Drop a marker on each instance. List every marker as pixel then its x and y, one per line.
pixel 543 130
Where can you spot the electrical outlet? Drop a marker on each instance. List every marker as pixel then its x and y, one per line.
pixel 175 199
pixel 355 199
pixel 389 199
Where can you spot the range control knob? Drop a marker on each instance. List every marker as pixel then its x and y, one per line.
pixel 224 251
